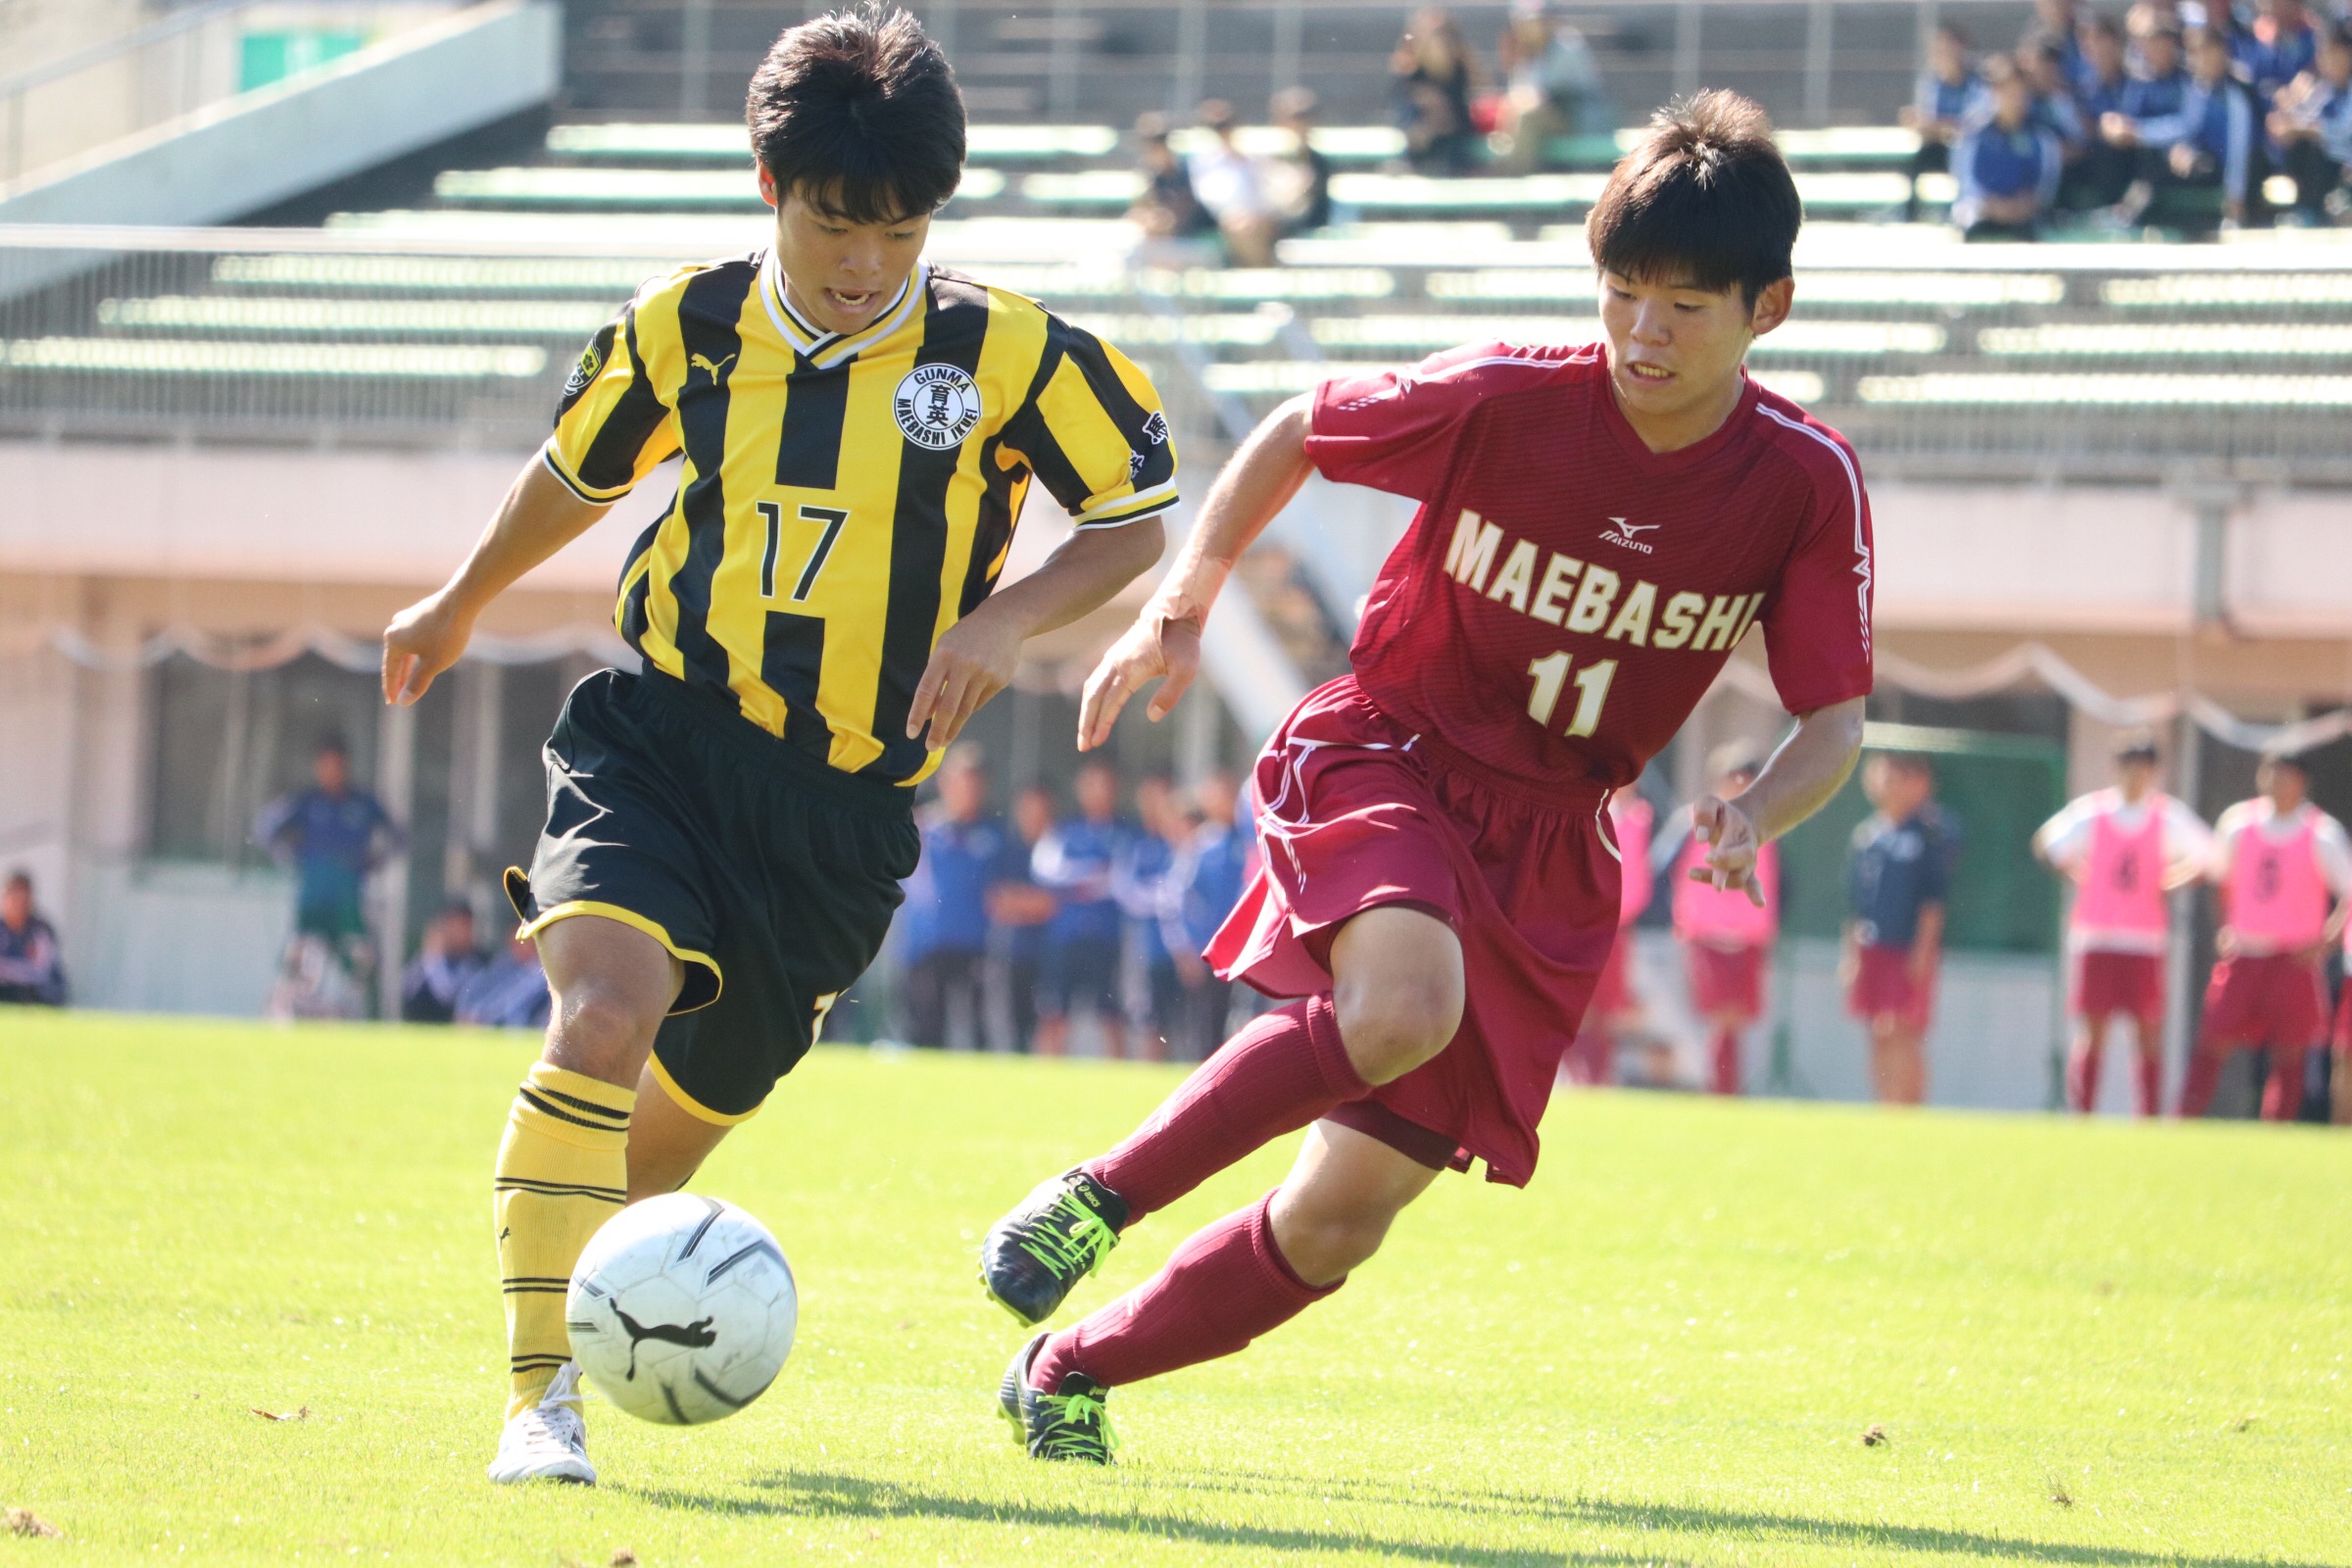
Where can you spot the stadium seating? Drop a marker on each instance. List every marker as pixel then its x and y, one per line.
pixel 467 307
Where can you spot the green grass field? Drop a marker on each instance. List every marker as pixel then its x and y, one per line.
pixel 2098 1344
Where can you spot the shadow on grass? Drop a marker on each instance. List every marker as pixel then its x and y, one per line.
pixel 816 1495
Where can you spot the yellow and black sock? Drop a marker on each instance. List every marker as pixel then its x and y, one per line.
pixel 562 1171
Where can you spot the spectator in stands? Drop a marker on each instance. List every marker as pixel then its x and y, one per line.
pixel 448 957
pixel 1433 77
pixel 2151 99
pixel 1143 881
pixel 2100 177
pixel 510 992
pixel 1948 95
pixel 31 970
pixel 1074 861
pixel 2313 128
pixel 1234 186
pixel 944 924
pixel 1899 877
pixel 1302 186
pixel 2051 85
pixel 2207 145
pixel 1218 862
pixel 2007 164
pixel 2279 45
pixel 1019 911
pixel 2060 21
pixel 1167 209
pixel 1550 85
pixel 332 835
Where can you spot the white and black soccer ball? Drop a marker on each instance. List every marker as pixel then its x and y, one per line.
pixel 682 1309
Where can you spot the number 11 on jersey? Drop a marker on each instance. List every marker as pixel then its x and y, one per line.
pixel 1550 675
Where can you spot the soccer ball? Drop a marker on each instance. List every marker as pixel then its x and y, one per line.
pixel 682 1309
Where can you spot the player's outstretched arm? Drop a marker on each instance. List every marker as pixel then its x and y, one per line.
pixel 1165 639
pixel 539 517
pixel 974 661
pixel 1809 767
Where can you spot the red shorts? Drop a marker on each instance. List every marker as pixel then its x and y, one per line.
pixel 1356 813
pixel 1613 993
pixel 1883 985
pixel 2265 999
pixel 2129 983
pixel 1725 979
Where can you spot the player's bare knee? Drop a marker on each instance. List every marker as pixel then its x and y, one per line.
pixel 1392 1024
pixel 601 1031
pixel 1326 1247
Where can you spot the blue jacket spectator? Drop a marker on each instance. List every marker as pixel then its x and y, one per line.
pixel 1022 911
pixel 2157 81
pixel 510 992
pixel 31 970
pixel 2053 88
pixel 2312 128
pixel 944 923
pixel 2007 165
pixel 332 835
pixel 2210 139
pixel 1144 882
pixel 1075 861
pixel 2279 45
pixel 435 979
pixel 1218 862
pixel 1947 96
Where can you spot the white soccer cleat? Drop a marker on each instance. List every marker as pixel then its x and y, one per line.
pixel 549 1441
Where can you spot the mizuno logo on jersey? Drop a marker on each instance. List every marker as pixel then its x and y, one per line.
pixel 1621 532
pixel 1591 598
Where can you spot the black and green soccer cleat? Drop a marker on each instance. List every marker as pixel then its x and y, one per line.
pixel 1069 1424
pixel 1060 1234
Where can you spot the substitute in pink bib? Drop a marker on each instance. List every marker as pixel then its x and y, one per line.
pixel 2285 868
pixel 1727 936
pixel 2124 850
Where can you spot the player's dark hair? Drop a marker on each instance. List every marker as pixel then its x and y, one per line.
pixel 330 746
pixel 858 111
pixel 2139 746
pixel 1704 198
pixel 19 877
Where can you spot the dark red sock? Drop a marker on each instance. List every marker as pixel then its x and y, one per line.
pixel 2083 1074
pixel 2148 1080
pixel 2283 1094
pixel 1727 1061
pixel 2204 1077
pixel 1284 1070
pixel 1223 1288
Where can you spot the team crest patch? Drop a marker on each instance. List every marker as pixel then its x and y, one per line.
pixel 937 405
pixel 592 359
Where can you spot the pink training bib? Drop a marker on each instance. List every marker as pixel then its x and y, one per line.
pixel 1628 821
pixel 2123 876
pixel 1724 917
pixel 2278 893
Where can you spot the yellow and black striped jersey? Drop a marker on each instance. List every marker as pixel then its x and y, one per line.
pixel 843 500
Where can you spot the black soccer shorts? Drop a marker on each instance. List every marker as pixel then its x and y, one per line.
pixel 770 875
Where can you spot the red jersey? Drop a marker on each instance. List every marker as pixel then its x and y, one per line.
pixel 1565 596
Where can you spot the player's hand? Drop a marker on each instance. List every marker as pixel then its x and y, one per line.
pixel 1923 963
pixel 968 666
pixel 1154 648
pixel 422 640
pixel 1729 835
pixel 2225 942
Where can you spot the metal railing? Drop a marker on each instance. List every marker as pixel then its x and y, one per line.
pixel 2065 362
pixel 1810 62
